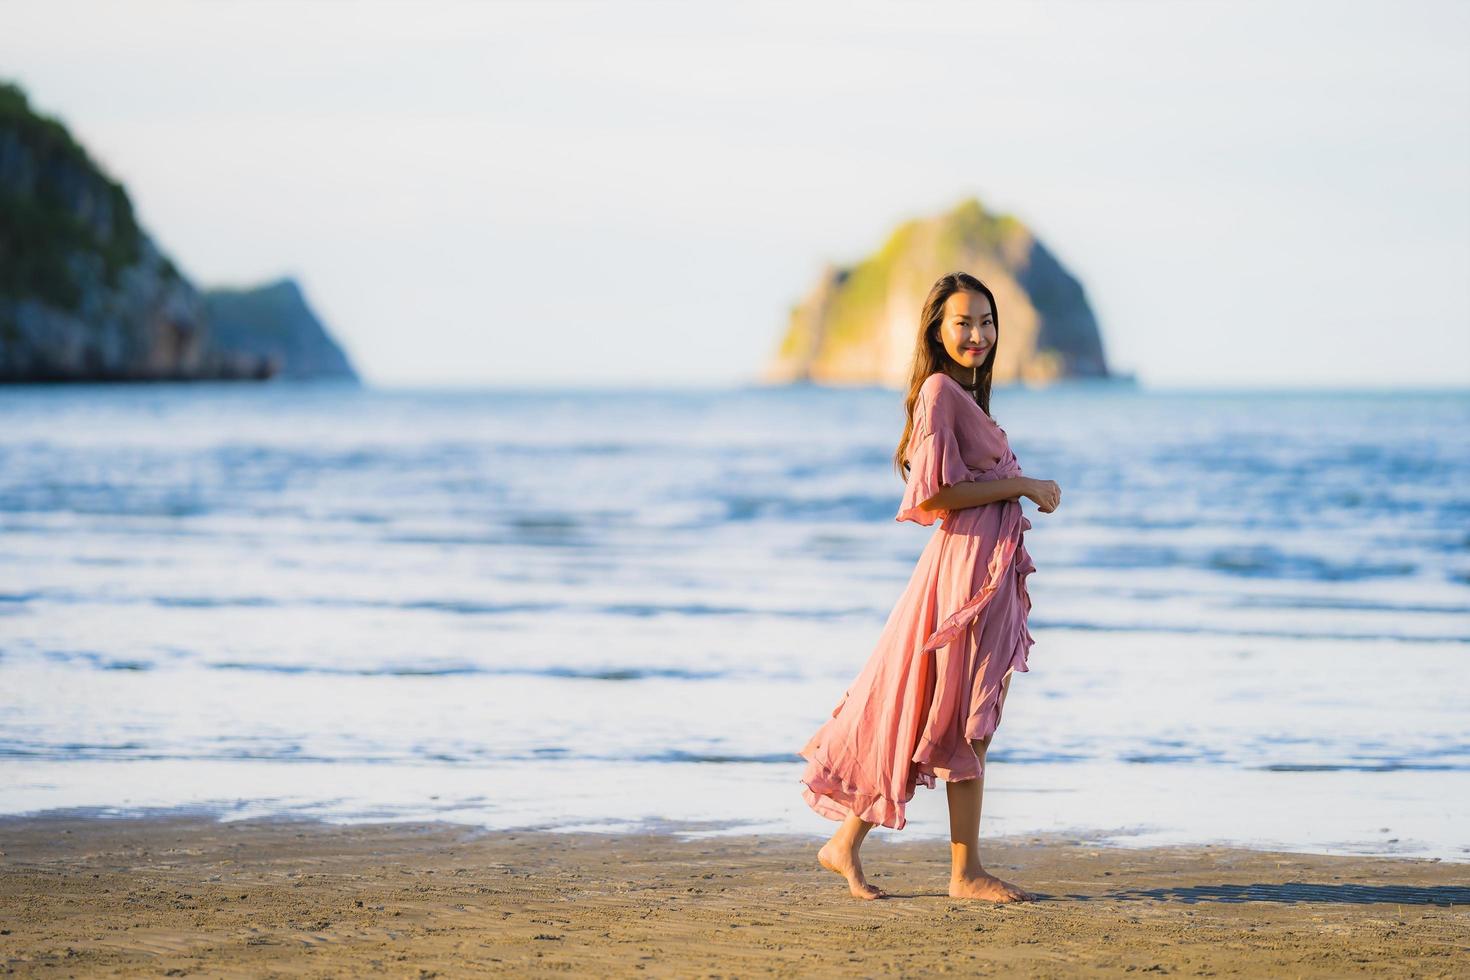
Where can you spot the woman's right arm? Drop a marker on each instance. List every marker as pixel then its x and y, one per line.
pixel 974 493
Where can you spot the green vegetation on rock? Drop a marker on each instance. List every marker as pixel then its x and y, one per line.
pixel 44 194
pixel 85 294
pixel 857 325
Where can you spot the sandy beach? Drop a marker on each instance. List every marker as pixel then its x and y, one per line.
pixel 187 896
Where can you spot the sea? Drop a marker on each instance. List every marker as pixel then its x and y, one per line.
pixel 609 610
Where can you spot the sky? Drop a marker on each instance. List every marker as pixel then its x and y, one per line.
pixel 611 194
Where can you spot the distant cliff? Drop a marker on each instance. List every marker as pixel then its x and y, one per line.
pixel 273 321
pixel 85 295
pixel 858 325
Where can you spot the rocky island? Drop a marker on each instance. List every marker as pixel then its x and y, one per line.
pixel 85 295
pixel 857 324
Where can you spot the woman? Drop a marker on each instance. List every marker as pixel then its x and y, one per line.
pixel 929 699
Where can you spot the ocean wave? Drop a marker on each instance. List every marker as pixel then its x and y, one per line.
pixel 454 670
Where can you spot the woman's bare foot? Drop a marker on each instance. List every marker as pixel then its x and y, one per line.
pixel 987 886
pixel 843 860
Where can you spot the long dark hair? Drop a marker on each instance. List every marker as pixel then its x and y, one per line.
pixel 930 355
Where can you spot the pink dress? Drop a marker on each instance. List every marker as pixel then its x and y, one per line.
pixel 934 680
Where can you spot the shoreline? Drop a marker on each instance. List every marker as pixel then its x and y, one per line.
pixel 1402 814
pixel 187 892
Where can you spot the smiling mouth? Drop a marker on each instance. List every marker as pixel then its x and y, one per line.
pixel 977 350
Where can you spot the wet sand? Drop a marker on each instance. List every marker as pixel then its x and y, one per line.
pixel 188 896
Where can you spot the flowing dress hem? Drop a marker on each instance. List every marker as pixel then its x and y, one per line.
pixel 828 793
pixel 834 798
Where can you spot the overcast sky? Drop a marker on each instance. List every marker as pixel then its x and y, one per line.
pixel 613 193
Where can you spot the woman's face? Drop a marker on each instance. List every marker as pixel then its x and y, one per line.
pixel 968 328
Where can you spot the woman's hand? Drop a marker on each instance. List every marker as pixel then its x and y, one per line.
pixel 1046 493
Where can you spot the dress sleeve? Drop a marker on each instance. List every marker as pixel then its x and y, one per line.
pixel 934 460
